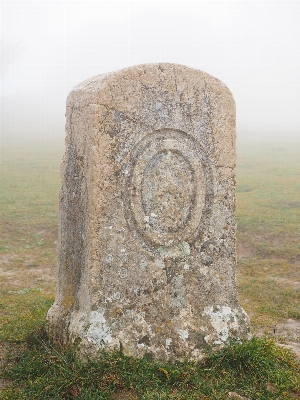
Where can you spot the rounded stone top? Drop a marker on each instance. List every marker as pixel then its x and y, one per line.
pixel 140 69
pixel 162 95
pixel 151 73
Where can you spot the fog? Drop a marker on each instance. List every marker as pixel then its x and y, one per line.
pixel 49 47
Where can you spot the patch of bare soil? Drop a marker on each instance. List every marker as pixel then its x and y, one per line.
pixel 244 250
pixel 234 395
pixel 25 273
pixel 4 383
pixel 264 244
pixel 12 352
pixel 286 334
pixel 5 348
pixel 123 394
pixel 293 347
pixel 6 259
pixel 289 329
pixel 287 282
pixel 271 239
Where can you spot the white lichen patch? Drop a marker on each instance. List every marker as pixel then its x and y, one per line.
pixel 136 317
pixel 108 300
pixel 159 263
pixel 137 290
pixel 185 247
pixel 109 258
pixel 168 341
pixel 181 250
pixel 223 319
pixel 116 295
pixel 143 264
pixel 203 270
pixel 123 273
pixel 183 333
pixel 98 332
pixel 178 300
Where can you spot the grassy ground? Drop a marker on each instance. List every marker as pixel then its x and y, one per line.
pixel 28 233
pixel 254 370
pixel 268 218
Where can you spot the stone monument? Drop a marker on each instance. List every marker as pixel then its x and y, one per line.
pixel 146 251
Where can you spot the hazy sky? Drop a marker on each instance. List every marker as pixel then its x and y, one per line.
pixel 47 47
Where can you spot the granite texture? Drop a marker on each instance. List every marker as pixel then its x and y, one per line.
pixel 146 251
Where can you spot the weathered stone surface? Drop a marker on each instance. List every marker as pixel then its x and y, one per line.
pixel 146 254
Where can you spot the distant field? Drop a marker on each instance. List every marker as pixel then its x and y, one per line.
pixel 28 233
pixel 268 236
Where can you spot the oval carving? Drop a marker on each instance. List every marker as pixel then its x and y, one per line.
pixel 167 191
pixel 164 189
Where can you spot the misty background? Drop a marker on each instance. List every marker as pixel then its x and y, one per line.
pixel 47 47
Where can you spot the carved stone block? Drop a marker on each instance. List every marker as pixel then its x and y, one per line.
pixel 146 254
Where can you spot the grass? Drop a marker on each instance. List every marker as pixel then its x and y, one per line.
pixel 268 219
pixel 257 369
pixel 29 199
pixel 24 311
pixel 28 234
